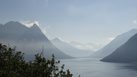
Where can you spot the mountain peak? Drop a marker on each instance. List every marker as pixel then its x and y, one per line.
pixel 30 23
pixel 29 39
pixel 13 23
pixel 35 27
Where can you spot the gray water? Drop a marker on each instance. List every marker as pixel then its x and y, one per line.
pixel 87 67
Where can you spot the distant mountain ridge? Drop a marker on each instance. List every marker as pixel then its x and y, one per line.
pixel 125 53
pixel 69 49
pixel 30 40
pixel 114 44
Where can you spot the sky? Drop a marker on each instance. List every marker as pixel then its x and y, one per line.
pixel 89 23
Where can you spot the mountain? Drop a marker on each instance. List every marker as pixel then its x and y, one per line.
pixel 125 53
pixel 69 49
pixel 114 44
pixel 29 40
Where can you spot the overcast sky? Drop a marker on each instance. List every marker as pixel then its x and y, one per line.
pixel 83 21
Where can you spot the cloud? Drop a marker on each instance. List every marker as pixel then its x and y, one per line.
pixel 110 38
pixel 30 23
pixel 46 1
pixel 88 46
pixel 134 21
pixel 77 10
pixel 44 30
pixel 72 10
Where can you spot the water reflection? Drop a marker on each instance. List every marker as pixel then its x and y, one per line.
pixel 88 67
pixel 131 66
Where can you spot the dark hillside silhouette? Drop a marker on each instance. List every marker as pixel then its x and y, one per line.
pixel 114 44
pixel 125 53
pixel 12 64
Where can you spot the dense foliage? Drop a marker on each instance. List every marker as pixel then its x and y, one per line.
pixel 12 64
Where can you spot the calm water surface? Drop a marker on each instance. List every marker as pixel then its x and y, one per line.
pixel 89 67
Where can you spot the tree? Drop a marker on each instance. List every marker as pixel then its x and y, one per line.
pixel 12 64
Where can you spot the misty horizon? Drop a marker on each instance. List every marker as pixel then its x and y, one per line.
pixel 91 38
pixel 83 46
pixel 92 23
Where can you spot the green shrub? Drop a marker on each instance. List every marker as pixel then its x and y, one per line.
pixel 12 64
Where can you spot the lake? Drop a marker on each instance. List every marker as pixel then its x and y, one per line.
pixel 91 67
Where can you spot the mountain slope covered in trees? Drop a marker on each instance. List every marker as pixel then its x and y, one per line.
pixel 114 44
pixel 125 53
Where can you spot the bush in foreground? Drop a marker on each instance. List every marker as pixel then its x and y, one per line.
pixel 12 64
